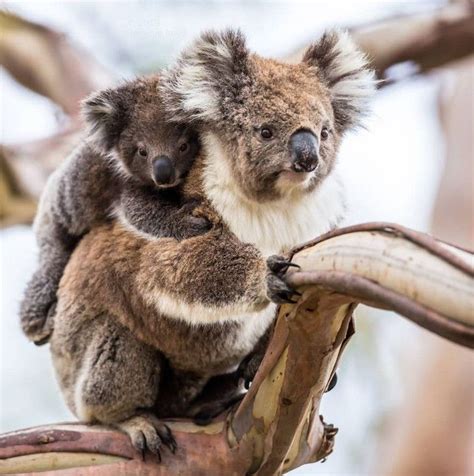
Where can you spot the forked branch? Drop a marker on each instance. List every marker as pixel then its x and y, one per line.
pixel 277 427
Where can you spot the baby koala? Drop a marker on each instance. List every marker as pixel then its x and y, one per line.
pixel 130 165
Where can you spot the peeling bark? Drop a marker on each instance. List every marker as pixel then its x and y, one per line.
pixel 277 426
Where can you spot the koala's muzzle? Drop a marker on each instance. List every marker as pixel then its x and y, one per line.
pixel 163 170
pixel 304 150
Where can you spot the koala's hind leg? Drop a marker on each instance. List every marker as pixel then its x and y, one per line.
pixel 39 302
pixel 223 391
pixel 117 384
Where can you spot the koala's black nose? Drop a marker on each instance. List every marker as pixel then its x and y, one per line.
pixel 163 170
pixel 304 149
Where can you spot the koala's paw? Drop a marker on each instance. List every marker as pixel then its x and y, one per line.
pixel 278 290
pixel 248 369
pixel 193 221
pixel 147 432
pixel 195 226
pixel 207 412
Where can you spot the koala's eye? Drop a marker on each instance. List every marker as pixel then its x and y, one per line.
pixel 266 132
pixel 142 151
pixel 183 147
pixel 324 133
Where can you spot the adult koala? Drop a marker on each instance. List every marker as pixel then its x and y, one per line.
pixel 144 323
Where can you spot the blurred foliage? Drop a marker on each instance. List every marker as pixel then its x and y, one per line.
pixel 45 62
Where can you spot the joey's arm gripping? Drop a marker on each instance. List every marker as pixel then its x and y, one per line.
pixel 161 214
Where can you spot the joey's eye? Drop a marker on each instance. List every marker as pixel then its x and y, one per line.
pixel 183 147
pixel 142 151
pixel 266 132
pixel 324 133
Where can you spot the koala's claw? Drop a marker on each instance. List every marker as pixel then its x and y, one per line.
pixel 169 440
pixel 248 369
pixel 278 290
pixel 194 222
pixel 280 265
pixel 147 432
pixel 42 341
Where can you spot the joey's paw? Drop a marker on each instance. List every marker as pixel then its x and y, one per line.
pixel 37 321
pixel 147 432
pixel 195 226
pixel 278 290
pixel 193 222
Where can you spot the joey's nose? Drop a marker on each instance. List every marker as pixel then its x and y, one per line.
pixel 304 149
pixel 163 170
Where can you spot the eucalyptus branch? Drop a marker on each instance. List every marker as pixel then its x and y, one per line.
pixel 277 426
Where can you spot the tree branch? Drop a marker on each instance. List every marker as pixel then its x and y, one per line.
pixel 428 40
pixel 277 426
pixel 44 61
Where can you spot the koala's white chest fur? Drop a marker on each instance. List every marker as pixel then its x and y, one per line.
pixel 273 227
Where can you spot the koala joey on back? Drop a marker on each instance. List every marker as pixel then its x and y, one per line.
pixel 130 165
pixel 144 324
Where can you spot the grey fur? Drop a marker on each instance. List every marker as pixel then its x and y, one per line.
pixel 200 306
pixel 105 176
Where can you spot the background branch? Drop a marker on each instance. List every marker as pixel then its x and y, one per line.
pixel 45 61
pixel 426 41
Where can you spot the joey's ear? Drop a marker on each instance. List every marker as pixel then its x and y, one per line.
pixel 211 71
pixel 106 114
pixel 346 71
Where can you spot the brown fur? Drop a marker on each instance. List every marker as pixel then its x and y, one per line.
pixel 235 94
pixel 107 293
pixel 106 175
pixel 201 305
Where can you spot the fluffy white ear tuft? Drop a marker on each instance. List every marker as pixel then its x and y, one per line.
pixel 204 74
pixel 346 71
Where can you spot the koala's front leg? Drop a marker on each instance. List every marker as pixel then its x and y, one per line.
pixel 208 278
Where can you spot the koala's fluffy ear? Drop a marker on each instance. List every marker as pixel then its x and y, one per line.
pixel 345 70
pixel 211 71
pixel 106 115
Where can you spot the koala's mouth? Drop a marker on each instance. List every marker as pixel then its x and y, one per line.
pixel 296 178
pixel 289 181
pixel 164 186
